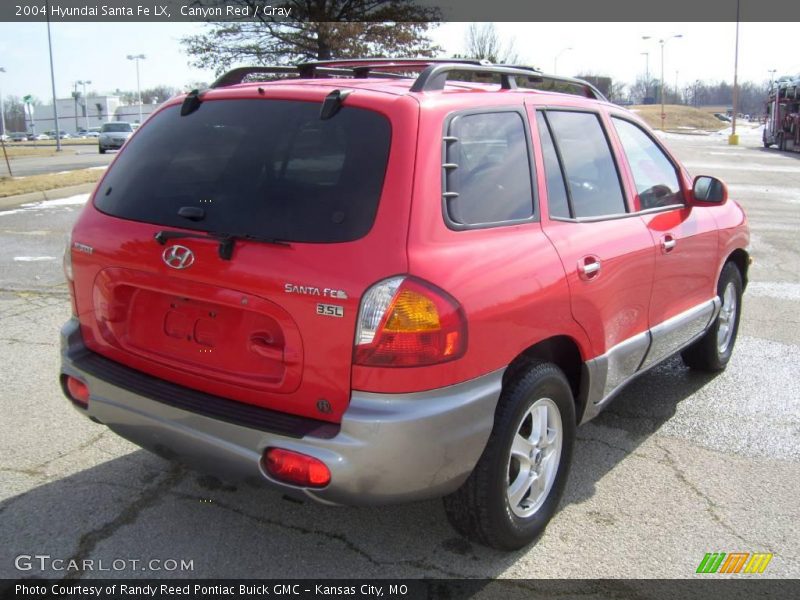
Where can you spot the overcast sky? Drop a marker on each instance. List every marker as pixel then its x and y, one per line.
pixel 97 51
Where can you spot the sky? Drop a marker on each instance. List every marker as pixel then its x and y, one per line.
pixel 97 52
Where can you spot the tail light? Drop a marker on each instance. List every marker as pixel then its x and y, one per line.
pixel 68 258
pixel 405 322
pixel 296 468
pixel 68 273
pixel 77 391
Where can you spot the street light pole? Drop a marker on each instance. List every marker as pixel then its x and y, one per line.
pixel 770 71
pixel 84 83
pixel 2 110
pixel 555 60
pixel 52 78
pixel 662 42
pixel 733 139
pixel 137 58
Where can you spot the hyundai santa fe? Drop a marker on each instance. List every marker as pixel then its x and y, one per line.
pixel 376 281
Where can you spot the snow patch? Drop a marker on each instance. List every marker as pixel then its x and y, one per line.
pixel 77 200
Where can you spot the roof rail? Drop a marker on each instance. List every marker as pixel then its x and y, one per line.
pixel 433 75
pixel 238 75
pixel 589 90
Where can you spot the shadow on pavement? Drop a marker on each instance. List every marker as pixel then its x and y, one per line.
pixel 137 506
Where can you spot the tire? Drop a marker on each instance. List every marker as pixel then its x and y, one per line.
pixel 102 150
pixel 481 509
pixel 713 351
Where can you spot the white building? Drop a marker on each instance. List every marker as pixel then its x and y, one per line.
pixel 74 116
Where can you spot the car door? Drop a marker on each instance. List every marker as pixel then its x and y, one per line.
pixel 606 251
pixel 685 239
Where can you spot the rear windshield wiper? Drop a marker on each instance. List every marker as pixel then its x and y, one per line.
pixel 226 240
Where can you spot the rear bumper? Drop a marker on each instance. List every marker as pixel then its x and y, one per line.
pixel 389 447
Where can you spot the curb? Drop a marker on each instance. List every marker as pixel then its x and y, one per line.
pixel 64 192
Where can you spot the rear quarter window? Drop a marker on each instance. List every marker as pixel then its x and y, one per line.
pixel 487 170
pixel 268 168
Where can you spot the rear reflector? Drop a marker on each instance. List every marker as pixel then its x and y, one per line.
pixel 295 468
pixel 78 391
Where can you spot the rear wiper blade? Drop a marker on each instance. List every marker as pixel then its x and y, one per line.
pixel 226 240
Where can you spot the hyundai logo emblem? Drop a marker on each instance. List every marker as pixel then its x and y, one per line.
pixel 178 257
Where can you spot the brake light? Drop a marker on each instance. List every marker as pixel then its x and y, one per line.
pixel 296 468
pixel 67 262
pixel 78 391
pixel 405 322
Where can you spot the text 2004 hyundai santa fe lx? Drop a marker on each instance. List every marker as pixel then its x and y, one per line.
pixel 363 287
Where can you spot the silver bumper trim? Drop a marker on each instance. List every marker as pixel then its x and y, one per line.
pixel 390 447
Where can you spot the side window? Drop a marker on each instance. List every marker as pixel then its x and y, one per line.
pixel 592 177
pixel 487 175
pixel 654 175
pixel 558 205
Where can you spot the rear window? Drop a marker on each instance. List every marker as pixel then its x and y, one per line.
pixel 124 127
pixel 268 168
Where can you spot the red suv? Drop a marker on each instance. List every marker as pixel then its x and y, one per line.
pixel 360 285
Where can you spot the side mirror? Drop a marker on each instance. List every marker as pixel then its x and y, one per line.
pixel 709 190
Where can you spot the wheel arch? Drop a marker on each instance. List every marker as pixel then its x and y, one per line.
pixel 741 258
pixel 561 350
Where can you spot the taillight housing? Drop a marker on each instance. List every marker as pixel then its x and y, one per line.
pixel 295 468
pixel 406 322
pixel 77 391
pixel 67 262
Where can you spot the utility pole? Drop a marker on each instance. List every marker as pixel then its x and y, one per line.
pixel 2 109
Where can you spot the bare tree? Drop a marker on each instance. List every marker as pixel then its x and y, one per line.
pixel 483 42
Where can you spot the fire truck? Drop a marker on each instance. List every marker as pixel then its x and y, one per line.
pixel 782 128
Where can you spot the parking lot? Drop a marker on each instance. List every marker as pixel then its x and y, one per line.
pixel 679 465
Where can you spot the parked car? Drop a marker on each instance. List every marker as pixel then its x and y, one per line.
pixel 4 137
pixel 39 137
pixel 723 117
pixel 51 135
pixel 113 135
pixel 89 133
pixel 18 136
pixel 362 290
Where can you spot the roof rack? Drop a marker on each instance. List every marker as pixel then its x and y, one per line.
pixel 433 75
pixel 238 75
pixel 589 90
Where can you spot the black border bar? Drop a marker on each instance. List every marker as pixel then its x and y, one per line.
pixel 438 10
pixel 704 588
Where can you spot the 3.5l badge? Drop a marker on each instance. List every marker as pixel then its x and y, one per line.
pixel 330 310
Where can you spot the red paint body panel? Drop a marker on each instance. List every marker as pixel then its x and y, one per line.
pixel 229 328
pixel 126 259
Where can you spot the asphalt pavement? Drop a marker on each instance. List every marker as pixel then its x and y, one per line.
pixel 680 464
pixel 69 159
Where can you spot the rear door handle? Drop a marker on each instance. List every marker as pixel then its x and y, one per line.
pixel 589 268
pixel 668 243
